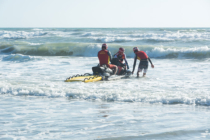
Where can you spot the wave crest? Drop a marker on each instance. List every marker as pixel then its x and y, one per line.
pixel 91 50
pixel 102 95
pixel 17 58
pixel 20 34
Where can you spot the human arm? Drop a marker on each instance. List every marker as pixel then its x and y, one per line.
pixel 115 56
pixel 126 62
pixel 134 64
pixel 151 62
pixel 110 55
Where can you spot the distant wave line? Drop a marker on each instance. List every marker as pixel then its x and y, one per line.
pixel 91 50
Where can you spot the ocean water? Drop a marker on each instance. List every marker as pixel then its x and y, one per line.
pixel 171 102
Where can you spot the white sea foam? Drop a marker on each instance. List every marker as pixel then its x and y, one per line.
pixel 91 34
pixel 197 52
pixel 91 50
pixel 33 87
pixel 116 36
pixel 20 34
pixel 18 58
pixel 37 29
pixel 97 94
pixel 158 37
pixel 114 39
pixel 35 44
pixel 45 78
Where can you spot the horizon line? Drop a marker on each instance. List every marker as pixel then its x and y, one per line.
pixel 105 27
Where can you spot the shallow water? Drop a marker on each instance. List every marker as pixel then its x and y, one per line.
pixel 65 118
pixel 171 102
pixel 170 82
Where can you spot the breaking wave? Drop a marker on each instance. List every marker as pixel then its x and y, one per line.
pixel 21 34
pixel 91 50
pixel 115 36
pixel 104 95
pixel 18 58
pixel 167 36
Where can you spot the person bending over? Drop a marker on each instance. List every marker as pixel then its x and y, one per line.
pixel 143 64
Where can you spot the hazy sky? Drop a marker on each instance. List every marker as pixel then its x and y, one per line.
pixel 104 13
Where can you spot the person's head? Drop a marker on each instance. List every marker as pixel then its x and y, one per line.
pixel 121 50
pixel 135 49
pixel 104 46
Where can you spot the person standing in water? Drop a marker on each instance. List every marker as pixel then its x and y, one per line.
pixel 143 64
pixel 105 56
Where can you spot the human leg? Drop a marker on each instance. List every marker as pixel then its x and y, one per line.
pixel 139 69
pixel 143 66
pixel 114 67
pixel 144 73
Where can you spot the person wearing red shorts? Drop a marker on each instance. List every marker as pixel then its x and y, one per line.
pixel 142 56
pixel 104 57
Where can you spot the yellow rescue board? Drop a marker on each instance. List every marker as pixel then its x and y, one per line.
pixel 93 79
pixel 85 79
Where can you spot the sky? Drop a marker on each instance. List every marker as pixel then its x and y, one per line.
pixel 104 13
